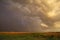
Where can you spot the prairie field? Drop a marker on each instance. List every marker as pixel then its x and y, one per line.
pixel 29 36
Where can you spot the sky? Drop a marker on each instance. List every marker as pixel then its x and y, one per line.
pixel 28 16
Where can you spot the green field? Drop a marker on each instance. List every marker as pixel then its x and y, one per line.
pixel 33 36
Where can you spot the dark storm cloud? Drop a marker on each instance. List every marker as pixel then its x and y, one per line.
pixel 20 15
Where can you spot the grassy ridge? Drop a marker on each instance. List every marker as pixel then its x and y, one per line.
pixel 28 36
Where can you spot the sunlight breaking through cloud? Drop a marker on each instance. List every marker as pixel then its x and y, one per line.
pixel 29 15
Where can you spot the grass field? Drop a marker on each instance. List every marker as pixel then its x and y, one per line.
pixel 29 36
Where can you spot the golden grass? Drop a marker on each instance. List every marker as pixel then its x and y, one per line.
pixel 45 33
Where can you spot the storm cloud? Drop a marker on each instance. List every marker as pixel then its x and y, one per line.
pixel 24 16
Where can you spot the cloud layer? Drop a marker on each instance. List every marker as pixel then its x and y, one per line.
pixel 24 16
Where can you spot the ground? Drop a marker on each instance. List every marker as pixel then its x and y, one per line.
pixel 29 36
